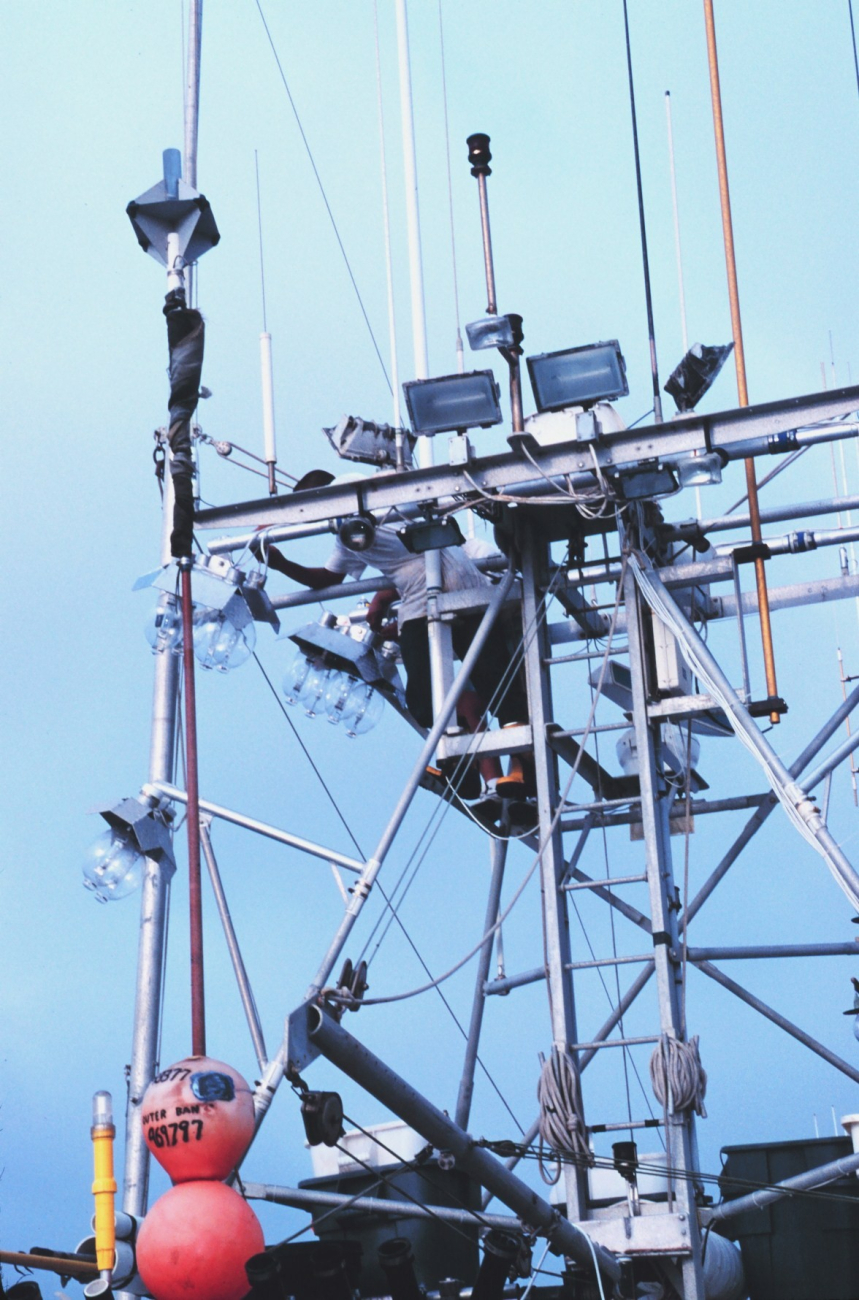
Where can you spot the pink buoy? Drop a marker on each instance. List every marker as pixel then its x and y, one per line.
pixel 195 1241
pixel 198 1119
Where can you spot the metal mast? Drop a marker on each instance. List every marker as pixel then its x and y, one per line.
pixel 156 883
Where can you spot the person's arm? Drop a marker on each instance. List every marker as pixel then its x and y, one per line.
pixel 315 578
pixel 378 608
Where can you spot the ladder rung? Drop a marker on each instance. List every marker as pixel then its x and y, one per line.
pixel 613 1042
pixel 608 883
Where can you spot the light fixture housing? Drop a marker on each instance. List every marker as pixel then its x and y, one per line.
pixel 691 379
pixel 490 332
pixel 430 535
pixel 115 861
pixel 452 403
pixel 578 376
pixel 370 443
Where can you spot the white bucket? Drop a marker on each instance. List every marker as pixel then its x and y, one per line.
pixel 400 1145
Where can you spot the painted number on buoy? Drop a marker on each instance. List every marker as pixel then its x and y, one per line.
pixel 169 1135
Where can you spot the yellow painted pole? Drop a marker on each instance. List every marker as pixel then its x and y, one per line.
pixel 739 354
pixel 104 1183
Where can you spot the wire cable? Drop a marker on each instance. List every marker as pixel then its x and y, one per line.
pixel 400 997
pixel 324 195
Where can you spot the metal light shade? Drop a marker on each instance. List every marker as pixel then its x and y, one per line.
pixel 490 332
pixel 453 402
pixel 578 376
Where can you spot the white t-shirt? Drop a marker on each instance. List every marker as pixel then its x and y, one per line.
pixel 405 571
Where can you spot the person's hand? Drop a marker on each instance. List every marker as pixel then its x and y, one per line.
pixel 378 608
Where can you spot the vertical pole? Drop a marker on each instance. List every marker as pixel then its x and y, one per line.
pixel 739 353
pixel 651 333
pixel 192 108
pixel 498 852
pixel 154 903
pixel 552 865
pixel 441 651
pixel 655 802
pixel 270 453
pixel 389 270
pixel 192 821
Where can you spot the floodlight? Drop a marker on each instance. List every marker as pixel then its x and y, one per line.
pixel 578 376
pixel 695 373
pixel 357 533
pixel 490 332
pixel 453 402
pixel 227 605
pixel 699 469
pixel 430 535
pixel 113 867
pixel 221 641
pixel 369 443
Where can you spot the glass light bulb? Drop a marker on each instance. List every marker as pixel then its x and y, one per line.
pixel 337 696
pixel 314 693
pixel 218 643
pixel 296 678
pixel 363 709
pixel 113 867
pixel 856 1027
pixel 163 628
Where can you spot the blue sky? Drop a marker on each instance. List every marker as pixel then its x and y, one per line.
pixel 89 100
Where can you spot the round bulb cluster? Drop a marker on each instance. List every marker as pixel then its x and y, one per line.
pixel 163 628
pixel 338 695
pixel 113 867
pixel 218 643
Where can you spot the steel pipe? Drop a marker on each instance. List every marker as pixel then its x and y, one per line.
pixel 356 1061
pixel 373 865
pixel 309 1198
pixel 782 1021
pixel 165 790
pixel 245 990
pixel 818 1177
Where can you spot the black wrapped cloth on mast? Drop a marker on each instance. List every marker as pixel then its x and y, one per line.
pixel 185 338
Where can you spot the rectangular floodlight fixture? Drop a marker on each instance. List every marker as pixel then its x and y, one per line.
pixel 452 403
pixel 490 332
pixel 578 376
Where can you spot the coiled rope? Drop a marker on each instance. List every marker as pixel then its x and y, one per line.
pixel 678 1077
pixel 562 1127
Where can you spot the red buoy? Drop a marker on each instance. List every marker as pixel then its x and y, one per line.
pixel 195 1241
pixel 198 1119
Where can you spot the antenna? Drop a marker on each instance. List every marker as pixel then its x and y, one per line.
pixel 654 371
pixel 266 376
pixel 511 348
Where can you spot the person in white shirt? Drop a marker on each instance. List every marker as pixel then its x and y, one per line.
pixel 494 687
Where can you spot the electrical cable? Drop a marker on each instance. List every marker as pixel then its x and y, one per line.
pixel 506 1148
pixel 853 38
pixel 324 195
pixel 400 997
pixel 418 1169
pixel 394 914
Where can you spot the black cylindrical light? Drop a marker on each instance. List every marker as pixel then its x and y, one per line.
pixel 500 1251
pixel 398 1262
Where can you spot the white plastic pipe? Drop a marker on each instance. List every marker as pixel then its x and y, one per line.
pixel 413 224
pixel 175 275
